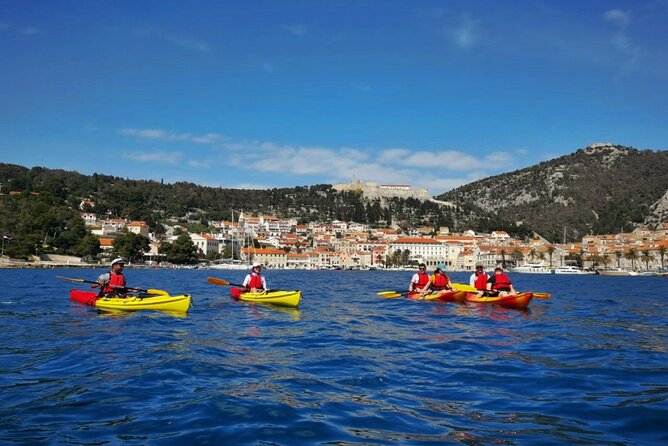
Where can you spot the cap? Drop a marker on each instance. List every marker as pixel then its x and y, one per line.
pixel 479 266
pixel 255 265
pixel 118 260
pixel 440 266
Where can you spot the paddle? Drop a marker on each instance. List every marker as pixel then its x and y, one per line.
pixel 151 291
pixel 542 295
pixel 455 286
pixel 222 282
pixel 393 294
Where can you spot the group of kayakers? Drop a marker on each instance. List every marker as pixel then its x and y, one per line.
pixel 113 283
pixel 497 284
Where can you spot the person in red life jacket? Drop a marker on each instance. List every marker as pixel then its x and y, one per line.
pixel 420 281
pixel 439 280
pixel 479 279
pixel 113 282
pixel 255 282
pixel 499 284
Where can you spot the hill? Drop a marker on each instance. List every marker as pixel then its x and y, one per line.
pixel 602 188
pixel 40 206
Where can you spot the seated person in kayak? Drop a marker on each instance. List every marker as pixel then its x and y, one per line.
pixel 439 280
pixel 499 284
pixel 113 283
pixel 479 280
pixel 420 282
pixel 255 281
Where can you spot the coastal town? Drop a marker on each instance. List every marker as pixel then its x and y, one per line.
pixel 283 243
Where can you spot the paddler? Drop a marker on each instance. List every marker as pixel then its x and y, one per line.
pixel 113 283
pixel 479 279
pixel 499 284
pixel 439 280
pixel 254 281
pixel 420 282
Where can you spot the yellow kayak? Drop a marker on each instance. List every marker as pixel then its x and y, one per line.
pixel 132 303
pixel 282 298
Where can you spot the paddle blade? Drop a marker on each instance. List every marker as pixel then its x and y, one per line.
pixel 215 281
pixel 155 292
pixel 389 294
pixel 464 287
pixel 542 295
pixel 431 296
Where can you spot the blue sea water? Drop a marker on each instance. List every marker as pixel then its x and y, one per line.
pixel 587 366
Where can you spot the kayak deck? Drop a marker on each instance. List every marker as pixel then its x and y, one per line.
pixel 520 300
pixel 180 303
pixel 281 298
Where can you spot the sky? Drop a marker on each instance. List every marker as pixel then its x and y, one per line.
pixel 266 94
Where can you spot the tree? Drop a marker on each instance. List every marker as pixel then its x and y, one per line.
pixel 632 255
pixel 605 260
pixel 131 246
pixel 662 254
pixel 532 253
pixel 619 254
pixel 517 255
pixel 503 257
pixel 89 246
pixel 181 251
pixel 647 257
pixel 550 251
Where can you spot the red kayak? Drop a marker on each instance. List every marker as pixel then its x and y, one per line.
pixel 520 300
pixel 443 296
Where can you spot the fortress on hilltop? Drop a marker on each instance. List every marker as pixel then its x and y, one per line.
pixel 374 190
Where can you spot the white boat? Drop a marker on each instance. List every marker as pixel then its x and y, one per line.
pixel 531 268
pixel 570 270
pixel 228 264
pixel 614 272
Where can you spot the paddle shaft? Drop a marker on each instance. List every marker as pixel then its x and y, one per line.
pixel 98 283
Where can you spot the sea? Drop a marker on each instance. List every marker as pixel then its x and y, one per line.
pixel 587 366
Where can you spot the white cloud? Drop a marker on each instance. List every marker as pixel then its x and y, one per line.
pixel 159 134
pixel 30 30
pixel 297 30
pixel 436 171
pixel 181 41
pixel 157 156
pixel 618 17
pixel 465 32
pixel 620 38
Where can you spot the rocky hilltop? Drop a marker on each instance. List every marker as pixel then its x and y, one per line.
pixel 601 188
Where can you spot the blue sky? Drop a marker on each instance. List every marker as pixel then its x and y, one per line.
pixel 287 93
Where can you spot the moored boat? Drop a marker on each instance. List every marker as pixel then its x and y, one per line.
pixel 162 302
pixel 531 268
pixel 281 298
pixel 570 270
pixel 520 300
pixel 614 272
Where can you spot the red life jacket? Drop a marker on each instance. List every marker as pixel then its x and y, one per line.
pixel 481 281
pixel 255 281
pixel 423 280
pixel 501 282
pixel 440 282
pixel 116 281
